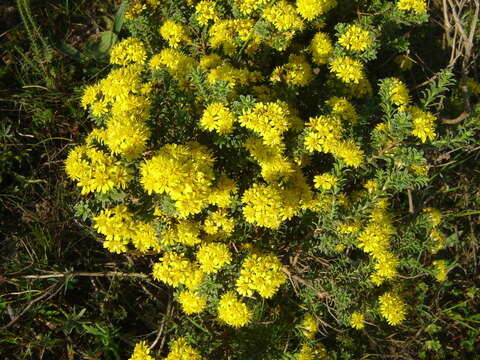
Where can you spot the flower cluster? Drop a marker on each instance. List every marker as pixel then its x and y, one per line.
pixel 309 326
pixel 423 124
pixel 174 33
pixel 95 170
pixel 141 352
pixel 232 311
pixel 321 48
pixel 191 302
pixel 261 273
pixel 310 9
pixel 417 6
pixel 347 69
pixel 283 16
pixel 217 117
pixel 296 72
pixel 184 172
pixel 357 321
pixel 355 38
pixel 324 133
pixel 213 256
pixel 392 308
pixel 181 350
pixel 269 120
pixel 374 239
pixel 205 11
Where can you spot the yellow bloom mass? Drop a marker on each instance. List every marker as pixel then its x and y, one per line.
pixel 261 273
pixel 213 256
pixel 347 69
pixel 141 352
pixel 269 120
pixel 417 6
pixel 355 38
pixel 310 9
pixel 283 16
pixel 232 311
pixel 217 117
pixel 128 51
pixel 357 321
pixel 181 350
pixel 321 48
pixel 191 302
pixel 392 308
pixel 205 11
pixel 423 124
pixel 174 33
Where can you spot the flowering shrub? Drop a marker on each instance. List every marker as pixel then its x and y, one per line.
pixel 241 144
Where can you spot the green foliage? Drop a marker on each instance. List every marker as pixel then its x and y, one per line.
pixel 66 296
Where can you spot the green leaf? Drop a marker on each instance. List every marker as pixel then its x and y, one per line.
pixel 119 17
pixel 101 48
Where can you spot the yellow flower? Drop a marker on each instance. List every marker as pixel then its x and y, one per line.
pixel 205 11
pixel 283 16
pixel 399 94
pixel 269 120
pixel 347 69
pixel 232 311
pixel 357 321
pixel 321 48
pixel 417 6
pixel 392 308
pixel 309 326
pixel 325 181
pixel 128 51
pixel 213 256
pixel 191 302
pixel 441 270
pixel 310 9
pixel 423 124
pixel 355 38
pixel 217 117
pixel 174 33
pixel 261 273
pixel 181 350
pixel 173 269
pixel 141 352
pixel 296 72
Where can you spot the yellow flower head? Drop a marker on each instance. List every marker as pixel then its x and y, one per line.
pixel 310 9
pixel 321 48
pixel 417 6
pixel 392 308
pixel 423 124
pixel 174 33
pixel 141 352
pixel 357 321
pixel 261 273
pixel 283 16
pixel 181 350
pixel 217 117
pixel 232 311
pixel 205 11
pixel 355 38
pixel 347 69
pixel 128 51
pixel 325 181
pixel 191 302
pixel 213 256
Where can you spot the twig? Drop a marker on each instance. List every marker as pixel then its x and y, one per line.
pixel 457 120
pixel 80 274
pixel 29 305
pixel 411 209
pixel 162 325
